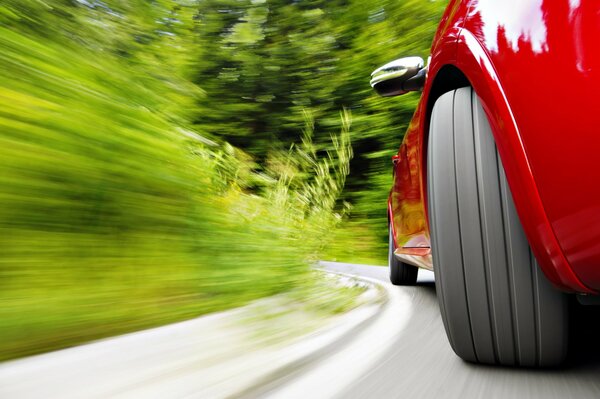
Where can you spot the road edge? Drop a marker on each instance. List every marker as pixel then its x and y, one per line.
pixel 166 361
pixel 359 319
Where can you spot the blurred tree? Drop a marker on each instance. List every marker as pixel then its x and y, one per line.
pixel 262 64
pixel 265 62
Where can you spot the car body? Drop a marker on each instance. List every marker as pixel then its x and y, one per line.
pixel 535 67
pixel 495 179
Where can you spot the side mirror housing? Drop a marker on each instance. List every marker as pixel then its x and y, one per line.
pixel 399 77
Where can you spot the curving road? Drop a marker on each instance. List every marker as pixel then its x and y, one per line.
pixel 419 363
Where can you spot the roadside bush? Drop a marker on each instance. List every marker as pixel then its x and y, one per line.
pixel 115 213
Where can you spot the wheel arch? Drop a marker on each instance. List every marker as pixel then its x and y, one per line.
pixel 448 78
pixel 473 67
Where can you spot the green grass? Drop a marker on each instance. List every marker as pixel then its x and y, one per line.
pixel 115 214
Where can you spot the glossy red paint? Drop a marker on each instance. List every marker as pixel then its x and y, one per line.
pixel 536 70
pixel 406 201
pixel 556 121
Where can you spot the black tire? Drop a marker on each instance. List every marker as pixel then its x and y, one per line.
pixel 496 305
pixel 400 272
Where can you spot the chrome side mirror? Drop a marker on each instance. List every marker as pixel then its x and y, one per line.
pixel 399 77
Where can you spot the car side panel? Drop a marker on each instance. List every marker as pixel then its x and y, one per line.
pixel 406 204
pixel 521 128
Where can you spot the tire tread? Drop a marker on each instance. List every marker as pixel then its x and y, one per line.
pixel 497 307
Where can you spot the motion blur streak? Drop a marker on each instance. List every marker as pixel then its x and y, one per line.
pixel 116 213
pixel 164 159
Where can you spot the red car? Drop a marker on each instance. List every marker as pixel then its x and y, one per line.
pixel 497 180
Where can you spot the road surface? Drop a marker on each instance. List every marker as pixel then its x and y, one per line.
pixel 419 363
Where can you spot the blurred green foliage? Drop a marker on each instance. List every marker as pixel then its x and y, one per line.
pixel 263 63
pixel 164 159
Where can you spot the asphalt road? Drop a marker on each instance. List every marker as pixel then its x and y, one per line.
pixel 419 363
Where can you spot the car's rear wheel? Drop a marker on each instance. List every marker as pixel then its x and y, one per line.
pixel 496 305
pixel 400 272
